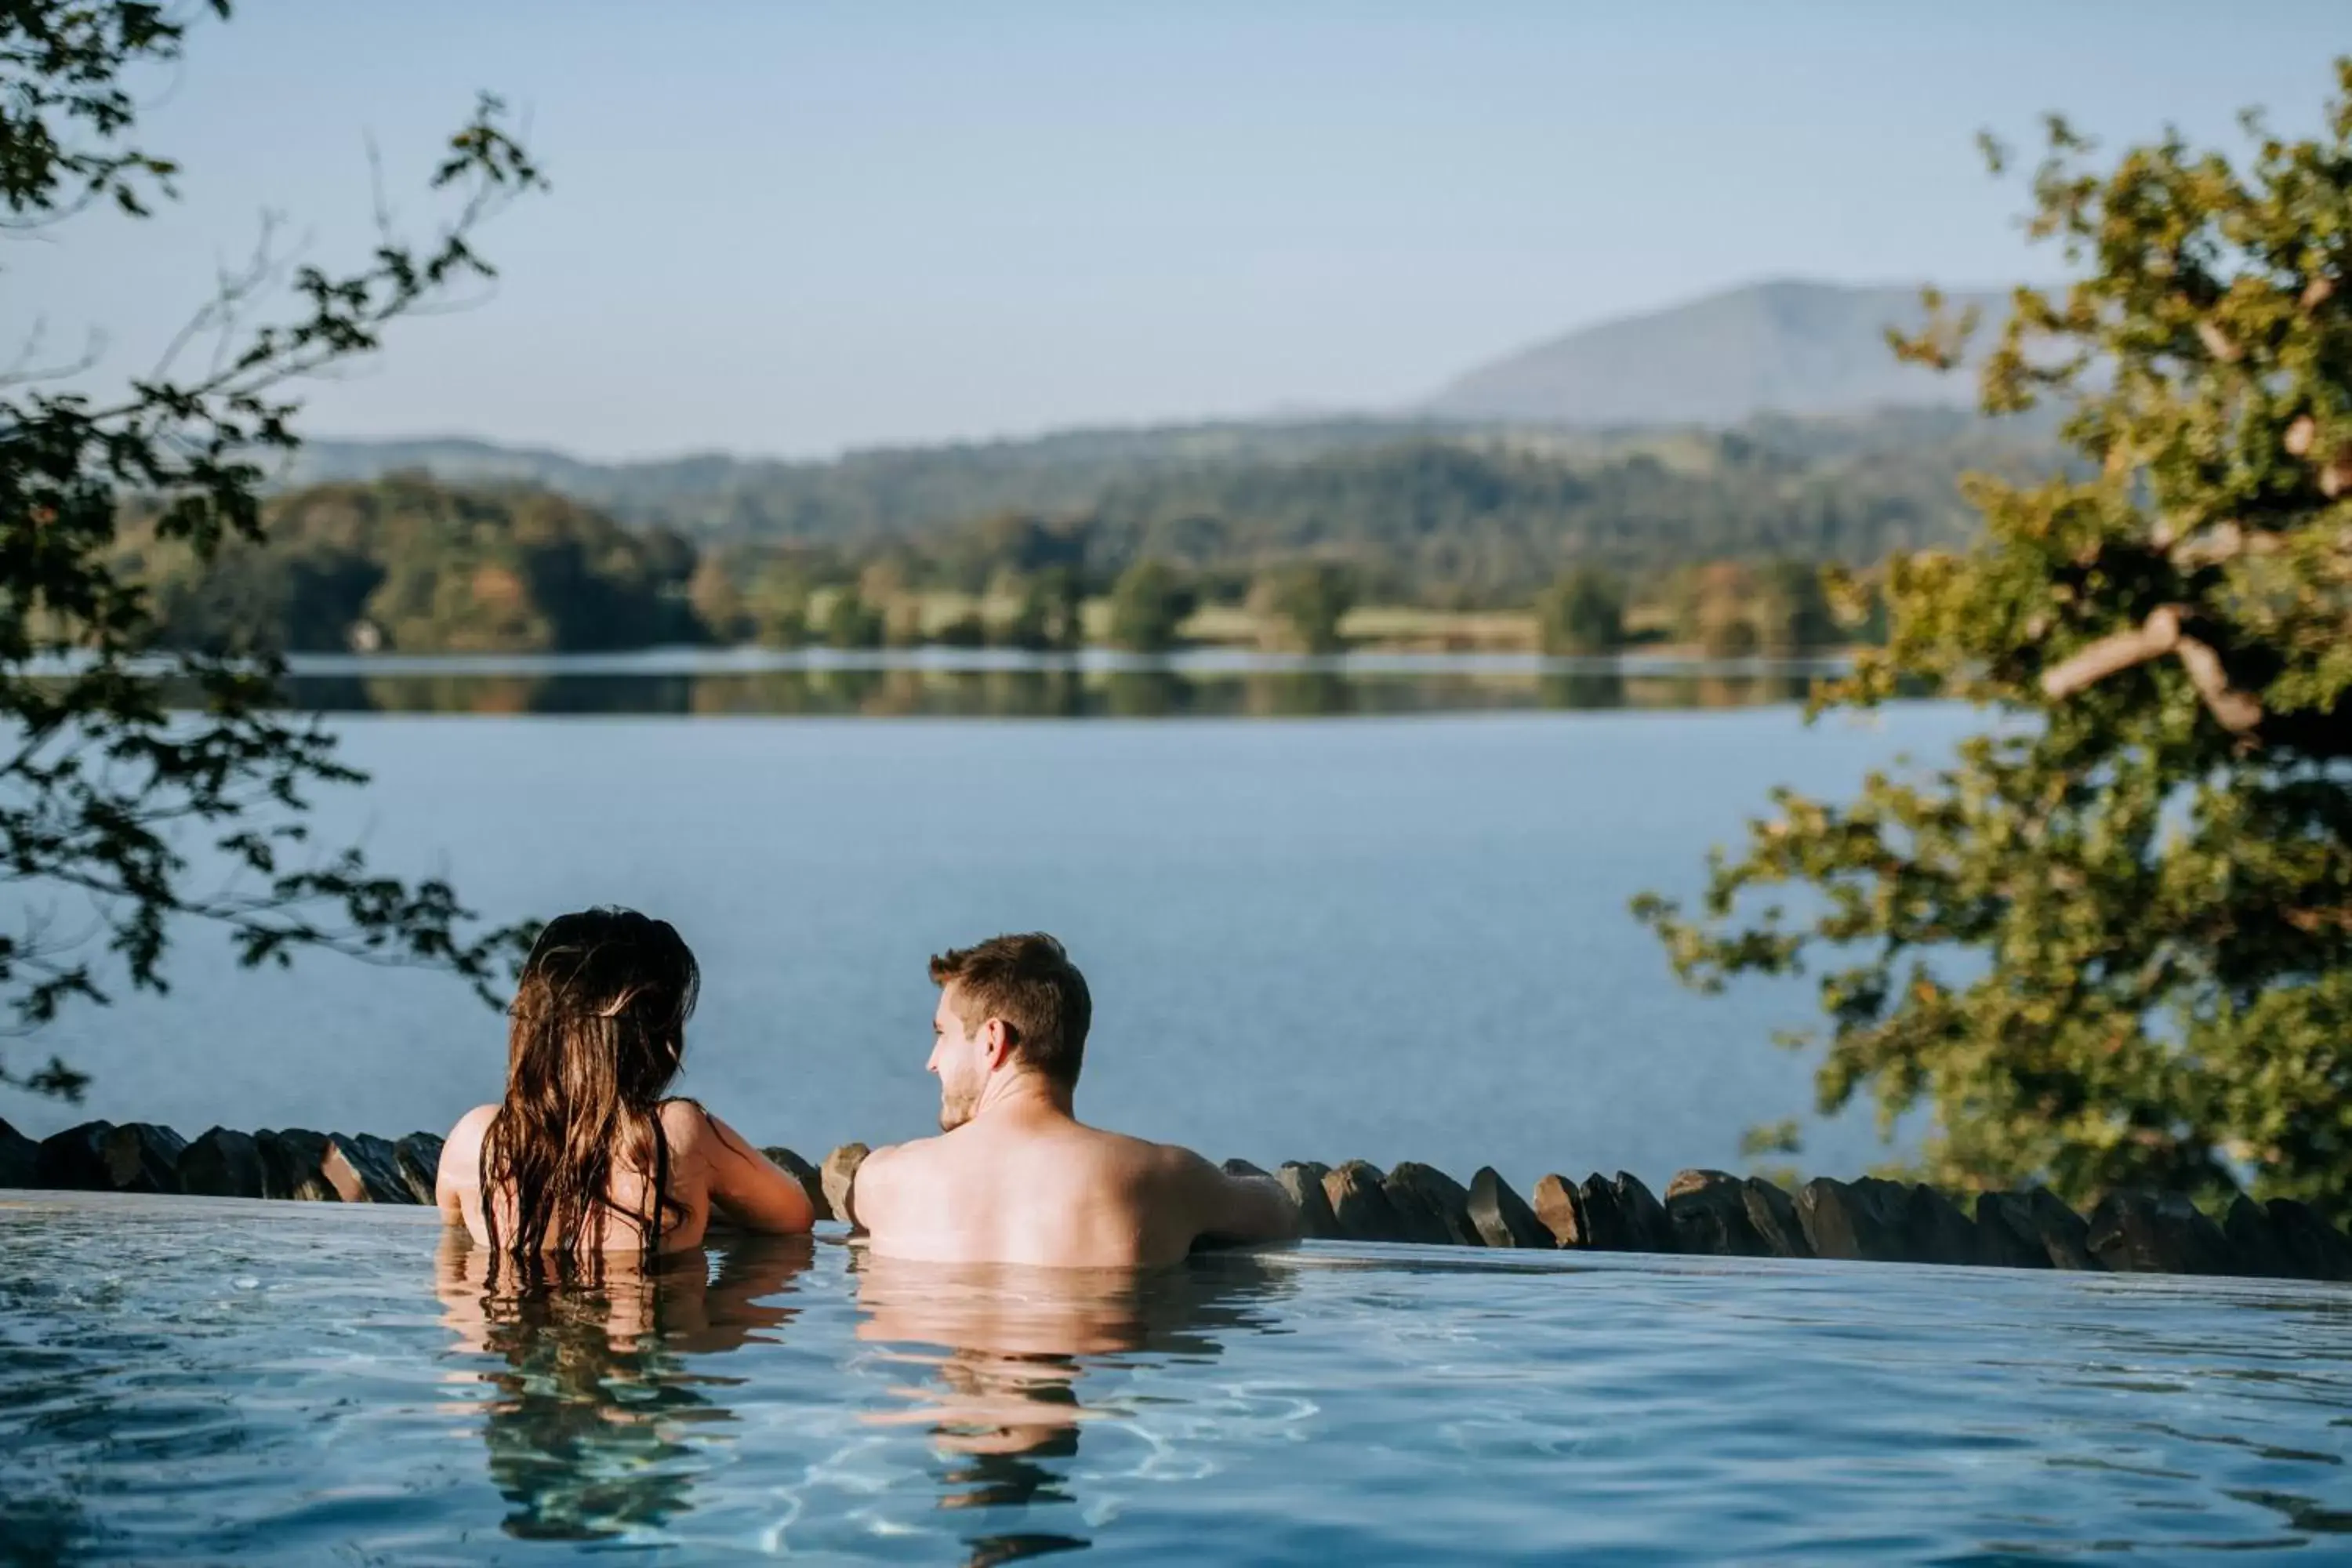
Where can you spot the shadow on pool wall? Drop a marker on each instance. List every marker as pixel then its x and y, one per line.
pixel 1702 1213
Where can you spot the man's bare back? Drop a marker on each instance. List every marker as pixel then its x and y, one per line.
pixel 1017 1178
pixel 1032 1184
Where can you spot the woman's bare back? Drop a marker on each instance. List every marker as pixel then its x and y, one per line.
pixel 685 1129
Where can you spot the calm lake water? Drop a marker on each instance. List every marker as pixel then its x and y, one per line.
pixel 198 1382
pixel 1399 936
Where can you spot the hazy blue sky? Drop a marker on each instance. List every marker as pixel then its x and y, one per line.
pixel 792 228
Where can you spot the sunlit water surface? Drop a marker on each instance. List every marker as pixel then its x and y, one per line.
pixel 189 1380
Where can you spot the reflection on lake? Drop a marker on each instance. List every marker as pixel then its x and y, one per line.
pixel 601 1409
pixel 587 1427
pixel 997 1360
pixel 1045 690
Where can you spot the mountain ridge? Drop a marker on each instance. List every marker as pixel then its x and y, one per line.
pixel 1785 345
pixel 1804 343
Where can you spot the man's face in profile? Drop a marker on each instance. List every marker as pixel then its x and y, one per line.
pixel 959 1058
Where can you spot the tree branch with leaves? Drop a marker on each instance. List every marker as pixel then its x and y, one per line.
pixel 2109 943
pixel 128 769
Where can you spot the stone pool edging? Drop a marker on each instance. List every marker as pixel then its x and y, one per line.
pixel 1703 1213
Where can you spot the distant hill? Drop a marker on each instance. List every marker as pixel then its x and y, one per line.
pixel 1794 353
pixel 883 492
pixel 1767 423
pixel 1489 519
pixel 1342 472
pixel 1786 347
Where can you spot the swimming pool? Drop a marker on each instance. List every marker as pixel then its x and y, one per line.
pixel 188 1379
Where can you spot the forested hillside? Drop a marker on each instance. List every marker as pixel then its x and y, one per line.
pixel 1488 522
pixel 1431 513
pixel 861 496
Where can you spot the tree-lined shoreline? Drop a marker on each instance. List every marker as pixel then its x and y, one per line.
pixel 1310 539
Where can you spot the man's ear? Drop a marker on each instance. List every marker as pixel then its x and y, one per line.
pixel 995 1043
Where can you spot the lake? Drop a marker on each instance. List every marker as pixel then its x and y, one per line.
pixel 1391 935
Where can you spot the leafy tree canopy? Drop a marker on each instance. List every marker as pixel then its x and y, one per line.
pixel 2110 942
pixel 1582 613
pixel 408 564
pixel 1148 603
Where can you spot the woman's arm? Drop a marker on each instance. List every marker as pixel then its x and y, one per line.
pixel 749 1190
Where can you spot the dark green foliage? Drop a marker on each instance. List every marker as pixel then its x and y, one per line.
pixel 745 596
pixel 851 622
pixel 1492 522
pixel 2110 943
pixel 1728 609
pixel 1583 612
pixel 967 630
pixel 1308 599
pixel 1791 608
pixel 297 600
pixel 106 789
pixel 1048 619
pixel 1008 544
pixel 1148 603
pixel 409 566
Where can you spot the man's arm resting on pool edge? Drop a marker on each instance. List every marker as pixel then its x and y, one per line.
pixel 1235 1210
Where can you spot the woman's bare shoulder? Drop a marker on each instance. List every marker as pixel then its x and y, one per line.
pixel 470 1128
pixel 461 1152
pixel 687 1128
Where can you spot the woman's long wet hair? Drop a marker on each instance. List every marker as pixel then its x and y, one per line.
pixel 595 1036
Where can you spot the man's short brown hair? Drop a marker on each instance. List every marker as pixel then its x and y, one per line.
pixel 1029 982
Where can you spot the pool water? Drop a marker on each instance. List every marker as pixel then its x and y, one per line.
pixel 184 1380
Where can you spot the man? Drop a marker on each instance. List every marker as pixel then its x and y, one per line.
pixel 1014 1176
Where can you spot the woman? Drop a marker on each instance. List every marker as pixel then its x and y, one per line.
pixel 585 1156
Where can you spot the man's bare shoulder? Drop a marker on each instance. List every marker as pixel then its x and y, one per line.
pixel 1144 1159
pixel 1145 1151
pixel 899 1156
pixel 885 1169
